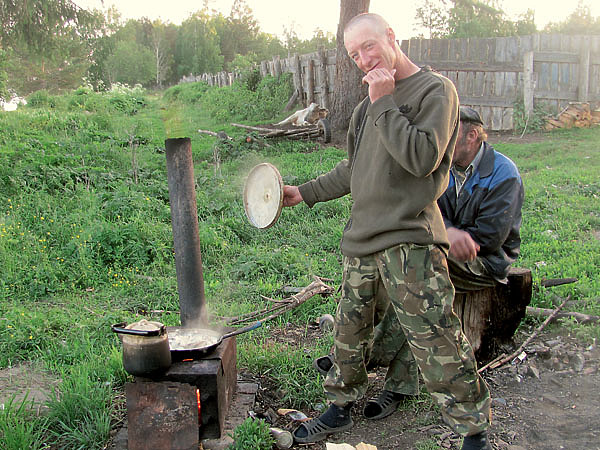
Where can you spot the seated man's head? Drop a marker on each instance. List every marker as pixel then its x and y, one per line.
pixel 470 136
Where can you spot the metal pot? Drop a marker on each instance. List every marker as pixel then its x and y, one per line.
pixel 145 347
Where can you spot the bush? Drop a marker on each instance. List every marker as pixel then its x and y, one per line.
pixel 41 99
pixel 252 434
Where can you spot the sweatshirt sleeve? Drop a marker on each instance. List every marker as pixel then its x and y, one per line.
pixel 418 146
pixel 336 182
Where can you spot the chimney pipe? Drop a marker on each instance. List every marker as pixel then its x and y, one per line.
pixel 184 221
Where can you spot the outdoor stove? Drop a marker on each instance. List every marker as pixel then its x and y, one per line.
pixel 189 402
pixel 185 405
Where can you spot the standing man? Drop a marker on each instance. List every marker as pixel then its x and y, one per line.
pixel 400 144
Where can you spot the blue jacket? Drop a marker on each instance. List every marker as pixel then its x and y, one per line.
pixel 489 209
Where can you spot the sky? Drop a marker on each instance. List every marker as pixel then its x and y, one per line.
pixel 305 16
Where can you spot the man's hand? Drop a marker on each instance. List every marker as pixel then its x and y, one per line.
pixel 381 82
pixel 291 196
pixel 462 245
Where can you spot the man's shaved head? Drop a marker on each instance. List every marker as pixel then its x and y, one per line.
pixel 377 23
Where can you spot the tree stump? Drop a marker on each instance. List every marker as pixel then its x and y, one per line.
pixel 490 316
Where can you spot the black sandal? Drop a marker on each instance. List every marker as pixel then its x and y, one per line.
pixel 316 430
pixel 323 364
pixel 383 405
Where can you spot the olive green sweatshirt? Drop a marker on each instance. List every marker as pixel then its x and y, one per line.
pixel 399 169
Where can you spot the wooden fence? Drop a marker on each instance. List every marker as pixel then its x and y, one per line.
pixel 490 74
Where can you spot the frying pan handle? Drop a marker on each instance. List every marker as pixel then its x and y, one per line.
pixel 242 330
pixel 120 329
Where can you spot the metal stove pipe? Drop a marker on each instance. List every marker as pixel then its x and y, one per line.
pixel 184 220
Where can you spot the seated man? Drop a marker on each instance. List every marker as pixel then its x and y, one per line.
pixel 481 209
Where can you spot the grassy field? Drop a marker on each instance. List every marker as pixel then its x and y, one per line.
pixel 85 239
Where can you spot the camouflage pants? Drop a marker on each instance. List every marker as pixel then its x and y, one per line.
pixel 415 278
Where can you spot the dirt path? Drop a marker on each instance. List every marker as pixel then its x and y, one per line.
pixel 548 401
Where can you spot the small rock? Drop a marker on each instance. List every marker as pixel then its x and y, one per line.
pixel 577 362
pixel 515 447
pixel 554 342
pixel 499 402
pixel 550 399
pixel 326 322
pixel 533 371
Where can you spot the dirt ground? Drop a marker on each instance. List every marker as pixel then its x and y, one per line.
pixel 549 401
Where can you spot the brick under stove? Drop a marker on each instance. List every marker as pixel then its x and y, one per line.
pixel 163 411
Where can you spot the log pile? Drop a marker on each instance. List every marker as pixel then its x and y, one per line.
pixel 576 115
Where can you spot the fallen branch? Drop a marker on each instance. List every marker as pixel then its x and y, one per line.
pixel 579 317
pixel 285 305
pixel 221 134
pixel 557 282
pixel 501 360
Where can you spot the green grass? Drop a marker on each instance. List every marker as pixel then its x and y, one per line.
pixel 86 241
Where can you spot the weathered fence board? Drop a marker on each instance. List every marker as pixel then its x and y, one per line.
pixel 490 74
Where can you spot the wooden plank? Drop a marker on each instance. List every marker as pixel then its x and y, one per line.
pixel 404 46
pixel 469 83
pixel 499 83
pixel 528 85
pixel 556 57
pixel 500 50
pixel 486 115
pixel 461 87
pixel 507 119
pixel 584 71
pixel 310 82
pixel 543 71
pixel 496 123
pixel 501 102
pixel 545 42
pixel 424 50
pixel 512 49
pixel 453 49
pixel 555 95
pixel 324 100
pixel 478 84
pixel 488 84
pixel 470 66
pixel 510 85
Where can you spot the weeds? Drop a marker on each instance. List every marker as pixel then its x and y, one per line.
pixel 86 239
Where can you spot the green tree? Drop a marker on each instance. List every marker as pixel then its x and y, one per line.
pixel 197 46
pixel 579 21
pixel 484 18
pixel 130 63
pixel 432 15
pixel 39 25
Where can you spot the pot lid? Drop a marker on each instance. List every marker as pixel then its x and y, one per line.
pixel 263 195
pixel 145 325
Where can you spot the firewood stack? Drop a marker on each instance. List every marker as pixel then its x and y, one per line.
pixel 576 115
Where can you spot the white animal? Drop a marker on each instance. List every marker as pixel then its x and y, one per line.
pixel 306 116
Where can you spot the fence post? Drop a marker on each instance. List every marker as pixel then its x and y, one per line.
pixel 310 79
pixel 324 84
pixel 584 70
pixel 528 84
pixel 276 67
pixel 298 78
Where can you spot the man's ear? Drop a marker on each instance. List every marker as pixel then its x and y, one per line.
pixel 391 36
pixel 472 135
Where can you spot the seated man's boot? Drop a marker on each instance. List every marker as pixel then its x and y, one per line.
pixel 477 441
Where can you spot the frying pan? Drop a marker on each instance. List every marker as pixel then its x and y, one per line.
pixel 192 343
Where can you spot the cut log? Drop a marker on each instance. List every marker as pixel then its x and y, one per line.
pixel 490 316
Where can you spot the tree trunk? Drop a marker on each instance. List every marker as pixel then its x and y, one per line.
pixel 347 89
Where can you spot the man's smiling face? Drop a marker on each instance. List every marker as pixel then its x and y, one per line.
pixel 370 49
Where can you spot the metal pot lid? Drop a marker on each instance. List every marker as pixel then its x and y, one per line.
pixel 145 325
pixel 263 195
